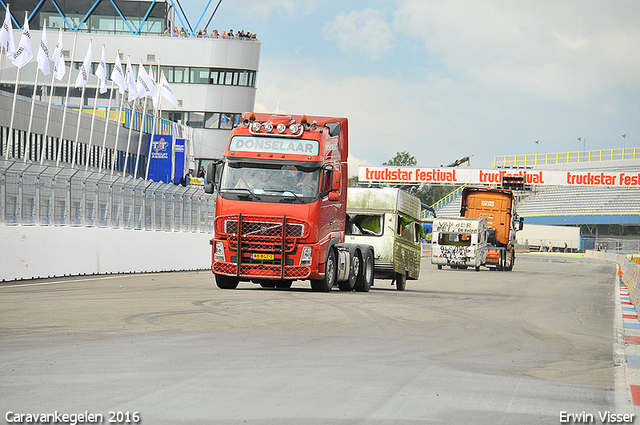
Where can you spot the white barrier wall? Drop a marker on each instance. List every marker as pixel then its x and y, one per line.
pixel 45 251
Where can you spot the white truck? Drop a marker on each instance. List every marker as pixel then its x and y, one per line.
pixel 459 242
pixel 388 219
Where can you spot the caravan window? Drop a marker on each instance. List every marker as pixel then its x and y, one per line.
pixel 365 224
pixel 457 239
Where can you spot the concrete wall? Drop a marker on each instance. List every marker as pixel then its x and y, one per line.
pixel 45 251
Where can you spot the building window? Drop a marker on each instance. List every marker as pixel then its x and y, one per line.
pixel 226 121
pixel 211 120
pixel 180 74
pixel 200 75
pixel 196 119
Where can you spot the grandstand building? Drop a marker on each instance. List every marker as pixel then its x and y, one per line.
pixel 213 78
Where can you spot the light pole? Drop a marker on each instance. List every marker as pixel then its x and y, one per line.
pixel 537 143
pixel 624 144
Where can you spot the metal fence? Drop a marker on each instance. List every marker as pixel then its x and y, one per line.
pixel 41 195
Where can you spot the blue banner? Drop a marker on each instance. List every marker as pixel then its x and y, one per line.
pixel 179 161
pixel 160 160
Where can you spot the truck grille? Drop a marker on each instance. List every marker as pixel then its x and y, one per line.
pixel 261 234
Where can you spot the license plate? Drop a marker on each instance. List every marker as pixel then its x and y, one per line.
pixel 262 256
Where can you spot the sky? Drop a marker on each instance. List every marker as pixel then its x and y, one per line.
pixel 445 79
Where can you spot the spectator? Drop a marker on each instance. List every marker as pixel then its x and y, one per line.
pixel 215 34
pixel 542 248
pixel 566 248
pixel 526 244
pixel 204 33
pixel 175 32
pixel 183 33
pixel 230 34
pixel 199 32
pixel 550 247
pixel 202 173
pixel 224 34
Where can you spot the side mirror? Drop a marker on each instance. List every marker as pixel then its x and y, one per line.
pixel 212 170
pixel 335 180
pixel 521 223
pixel 334 196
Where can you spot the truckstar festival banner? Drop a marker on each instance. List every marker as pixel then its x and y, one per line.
pixel 390 174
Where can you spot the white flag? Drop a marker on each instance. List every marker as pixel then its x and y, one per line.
pixel 131 81
pixel 117 76
pixel 6 35
pixel 166 92
pixel 85 68
pixel 144 85
pixel 24 52
pixel 43 52
pixel 101 72
pixel 59 66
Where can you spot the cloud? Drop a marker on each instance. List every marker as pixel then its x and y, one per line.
pixel 365 32
pixel 556 51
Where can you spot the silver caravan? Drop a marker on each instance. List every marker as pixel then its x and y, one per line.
pixel 389 220
pixel 459 242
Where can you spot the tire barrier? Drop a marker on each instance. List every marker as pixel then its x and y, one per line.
pixel 628 271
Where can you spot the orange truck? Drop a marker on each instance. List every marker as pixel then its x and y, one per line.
pixel 498 207
pixel 281 206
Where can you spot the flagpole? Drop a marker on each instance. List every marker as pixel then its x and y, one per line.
pixel 33 98
pixel 126 154
pixel 53 80
pixel 66 102
pixel 106 127
pixel 75 147
pixel 153 126
pixel 115 143
pixel 13 112
pixel 144 111
pixel 25 27
pixel 33 104
pixel 77 138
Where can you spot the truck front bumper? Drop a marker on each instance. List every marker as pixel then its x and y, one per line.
pixel 260 271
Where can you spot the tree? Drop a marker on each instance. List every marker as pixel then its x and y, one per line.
pixel 402 159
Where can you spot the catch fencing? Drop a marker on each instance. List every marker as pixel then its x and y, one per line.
pixel 41 195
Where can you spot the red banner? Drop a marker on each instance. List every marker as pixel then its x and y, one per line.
pixel 391 174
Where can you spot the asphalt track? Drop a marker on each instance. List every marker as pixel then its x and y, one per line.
pixel 458 346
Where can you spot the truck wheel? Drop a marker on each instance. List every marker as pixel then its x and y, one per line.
pixel 354 273
pixel 439 266
pixel 512 260
pixel 401 281
pixel 365 281
pixel 325 285
pixel 477 268
pixel 226 282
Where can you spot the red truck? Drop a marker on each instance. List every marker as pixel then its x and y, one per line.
pixel 281 206
pixel 498 207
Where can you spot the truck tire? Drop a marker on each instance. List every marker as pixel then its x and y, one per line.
pixel 512 260
pixel 365 281
pixel 439 266
pixel 226 282
pixel 325 285
pixel 354 273
pixel 401 281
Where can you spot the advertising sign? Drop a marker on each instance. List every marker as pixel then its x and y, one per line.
pixel 160 158
pixel 390 174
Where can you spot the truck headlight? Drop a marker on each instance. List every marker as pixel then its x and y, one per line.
pixel 306 257
pixel 218 254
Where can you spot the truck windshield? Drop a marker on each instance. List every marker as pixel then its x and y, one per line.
pixel 264 181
